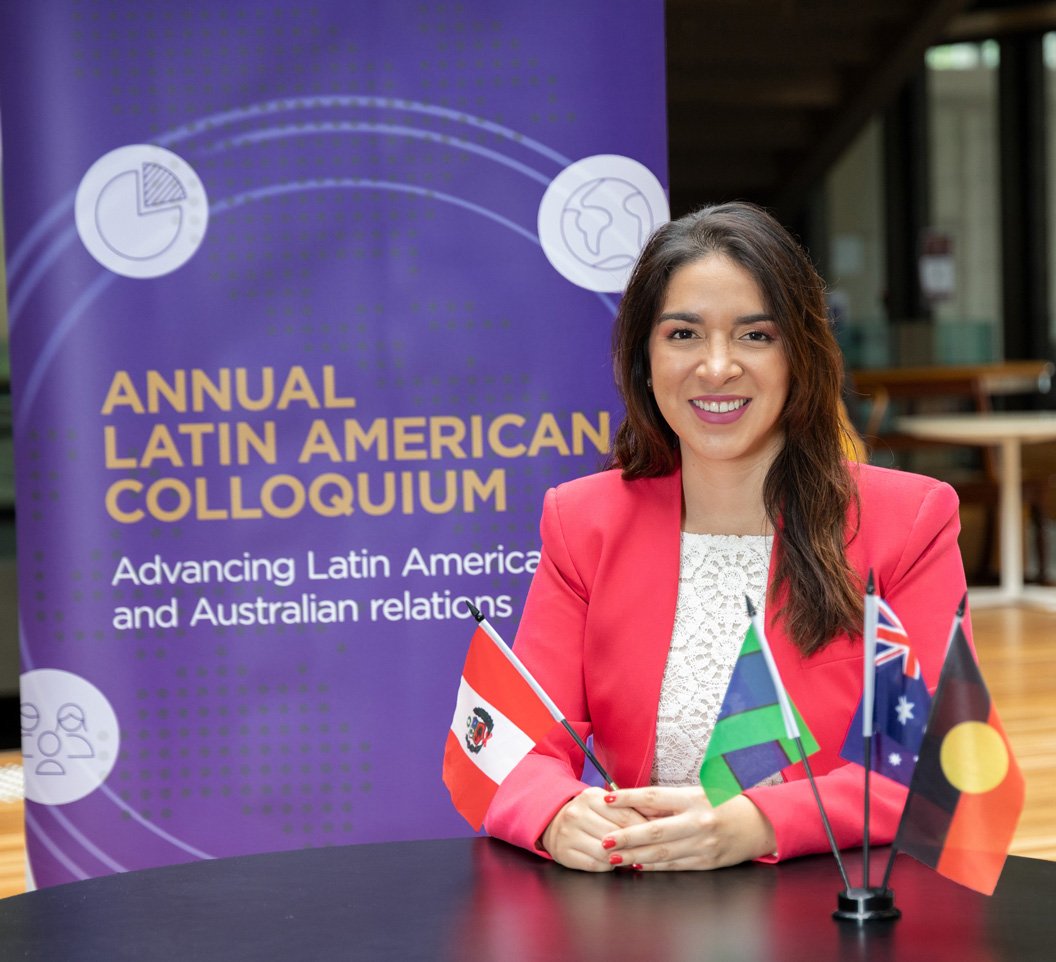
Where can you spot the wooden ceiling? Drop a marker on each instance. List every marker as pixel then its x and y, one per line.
pixel 764 95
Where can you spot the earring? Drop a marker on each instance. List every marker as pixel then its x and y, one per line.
pixel 649 382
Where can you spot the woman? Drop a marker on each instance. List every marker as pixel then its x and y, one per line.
pixel 727 478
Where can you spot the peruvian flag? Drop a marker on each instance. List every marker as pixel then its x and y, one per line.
pixel 500 714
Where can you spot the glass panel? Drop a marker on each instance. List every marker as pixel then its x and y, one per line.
pixel 1049 53
pixel 960 253
pixel 855 272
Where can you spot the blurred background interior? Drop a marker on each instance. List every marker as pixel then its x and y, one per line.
pixel 911 144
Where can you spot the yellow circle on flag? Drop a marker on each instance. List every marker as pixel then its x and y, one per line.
pixel 974 757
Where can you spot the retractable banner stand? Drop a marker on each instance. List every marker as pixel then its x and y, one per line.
pixel 309 304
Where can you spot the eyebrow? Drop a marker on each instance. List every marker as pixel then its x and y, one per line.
pixel 689 318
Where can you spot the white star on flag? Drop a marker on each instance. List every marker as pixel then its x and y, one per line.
pixel 894 759
pixel 904 709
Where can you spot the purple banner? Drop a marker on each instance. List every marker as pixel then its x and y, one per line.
pixel 308 306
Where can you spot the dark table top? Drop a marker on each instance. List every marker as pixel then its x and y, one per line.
pixel 469 899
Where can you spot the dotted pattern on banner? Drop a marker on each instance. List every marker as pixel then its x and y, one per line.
pixel 273 749
pixel 209 722
pixel 465 61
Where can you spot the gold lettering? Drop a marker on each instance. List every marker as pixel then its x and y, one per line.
pixel 122 393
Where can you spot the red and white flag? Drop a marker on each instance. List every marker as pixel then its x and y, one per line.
pixel 500 714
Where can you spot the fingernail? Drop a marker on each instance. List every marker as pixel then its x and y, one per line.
pixel 637 867
pixel 608 843
pixel 610 798
pixel 616 859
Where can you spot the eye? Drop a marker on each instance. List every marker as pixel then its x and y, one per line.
pixel 681 334
pixel 759 337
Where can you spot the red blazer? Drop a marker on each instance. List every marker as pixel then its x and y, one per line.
pixel 597 625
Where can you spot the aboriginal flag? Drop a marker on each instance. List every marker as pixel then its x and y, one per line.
pixel 966 794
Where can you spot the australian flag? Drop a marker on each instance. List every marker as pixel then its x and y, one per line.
pixel 900 704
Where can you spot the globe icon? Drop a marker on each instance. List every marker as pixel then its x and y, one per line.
pixel 596 216
pixel 605 223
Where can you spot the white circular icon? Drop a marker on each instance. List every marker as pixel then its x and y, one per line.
pixel 141 211
pixel 70 736
pixel 596 216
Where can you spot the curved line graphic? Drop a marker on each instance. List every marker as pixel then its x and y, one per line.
pixel 86 842
pixel 314 102
pixel 57 212
pixel 68 863
pixel 104 280
pixel 396 130
pixel 151 827
pixel 72 316
pixel 40 267
pixel 355 183
pixel 69 319
pixel 27 663
pixel 208 124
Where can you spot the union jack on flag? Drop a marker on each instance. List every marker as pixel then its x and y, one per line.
pixel 892 642
pixel 901 702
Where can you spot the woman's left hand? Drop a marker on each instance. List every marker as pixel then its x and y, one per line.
pixel 684 831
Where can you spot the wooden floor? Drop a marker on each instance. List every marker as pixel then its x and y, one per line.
pixel 1017 651
pixel 12 847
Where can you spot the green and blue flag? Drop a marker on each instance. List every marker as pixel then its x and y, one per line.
pixel 750 741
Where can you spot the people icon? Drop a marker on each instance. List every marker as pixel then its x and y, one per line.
pixel 71 719
pixel 65 742
pixel 30 717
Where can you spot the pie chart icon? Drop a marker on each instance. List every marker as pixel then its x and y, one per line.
pixel 141 211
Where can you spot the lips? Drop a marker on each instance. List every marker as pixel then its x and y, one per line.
pixel 719 407
pixel 719 410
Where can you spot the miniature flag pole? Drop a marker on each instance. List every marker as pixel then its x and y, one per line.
pixel 958 618
pixel 538 689
pixel 868 721
pixel 792 730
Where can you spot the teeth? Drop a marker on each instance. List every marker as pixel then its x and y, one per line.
pixel 720 407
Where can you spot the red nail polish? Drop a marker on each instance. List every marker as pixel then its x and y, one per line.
pixel 610 798
pixel 637 867
pixel 608 843
pixel 616 859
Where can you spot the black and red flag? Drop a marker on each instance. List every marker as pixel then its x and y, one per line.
pixel 967 791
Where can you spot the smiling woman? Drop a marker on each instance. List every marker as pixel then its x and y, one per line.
pixel 746 307
pixel 727 478
pixel 719 374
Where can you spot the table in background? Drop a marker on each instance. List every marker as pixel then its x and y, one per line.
pixel 998 377
pixel 1008 430
pixel 468 899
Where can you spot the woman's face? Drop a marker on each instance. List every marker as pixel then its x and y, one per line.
pixel 718 366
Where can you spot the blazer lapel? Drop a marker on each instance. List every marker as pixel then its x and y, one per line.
pixel 631 634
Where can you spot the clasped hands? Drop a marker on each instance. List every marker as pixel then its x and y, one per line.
pixel 656 829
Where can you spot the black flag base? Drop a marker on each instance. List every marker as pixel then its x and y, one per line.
pixel 866 905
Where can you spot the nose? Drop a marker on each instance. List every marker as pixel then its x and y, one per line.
pixel 717 362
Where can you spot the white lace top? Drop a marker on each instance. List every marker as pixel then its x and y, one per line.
pixel 716 572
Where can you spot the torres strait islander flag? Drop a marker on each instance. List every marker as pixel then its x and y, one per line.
pixel 750 741
pixel 967 791
pixel 499 716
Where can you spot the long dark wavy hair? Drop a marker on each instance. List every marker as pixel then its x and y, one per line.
pixel 808 490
